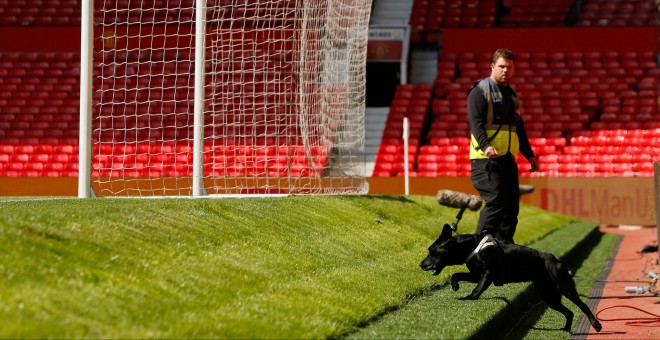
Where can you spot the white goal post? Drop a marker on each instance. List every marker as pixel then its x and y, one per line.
pixel 222 97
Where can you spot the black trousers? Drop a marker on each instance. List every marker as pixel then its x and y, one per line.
pixel 496 180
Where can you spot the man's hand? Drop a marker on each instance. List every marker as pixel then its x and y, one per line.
pixel 534 164
pixel 491 152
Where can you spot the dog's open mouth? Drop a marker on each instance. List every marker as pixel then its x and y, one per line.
pixel 435 269
pixel 431 265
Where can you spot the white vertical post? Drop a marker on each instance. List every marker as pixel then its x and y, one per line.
pixel 406 135
pixel 198 130
pixel 404 55
pixel 86 72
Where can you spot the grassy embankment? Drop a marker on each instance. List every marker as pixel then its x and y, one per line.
pixel 296 267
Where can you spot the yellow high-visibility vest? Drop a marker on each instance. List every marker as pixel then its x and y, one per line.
pixel 503 137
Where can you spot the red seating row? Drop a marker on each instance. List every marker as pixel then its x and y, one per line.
pixel 557 104
pixel 38 96
pixel 38 106
pixel 42 108
pixel 446 157
pixel 428 16
pixel 411 101
pixel 610 153
pixel 625 153
pixel 157 171
pixel 390 160
pixel 67 12
pixel 161 160
pixel 165 148
pixel 531 13
pixel 619 13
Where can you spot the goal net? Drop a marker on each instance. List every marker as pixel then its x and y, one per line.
pixel 232 97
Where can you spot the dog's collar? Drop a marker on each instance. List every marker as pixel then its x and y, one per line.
pixel 486 241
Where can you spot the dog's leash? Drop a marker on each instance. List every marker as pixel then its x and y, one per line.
pixel 640 322
pixel 486 241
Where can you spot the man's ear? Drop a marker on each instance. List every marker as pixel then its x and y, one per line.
pixel 446 232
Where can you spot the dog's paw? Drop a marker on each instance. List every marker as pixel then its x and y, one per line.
pixel 455 286
pixel 469 297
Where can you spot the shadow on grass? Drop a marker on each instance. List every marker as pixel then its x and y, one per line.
pixel 518 308
pixel 410 297
pixel 402 199
pixel 505 300
pixel 529 307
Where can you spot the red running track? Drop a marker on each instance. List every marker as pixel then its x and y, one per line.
pixel 628 316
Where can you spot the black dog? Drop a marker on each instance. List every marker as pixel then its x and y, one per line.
pixel 492 261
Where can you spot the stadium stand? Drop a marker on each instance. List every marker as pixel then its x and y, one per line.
pixel 607 153
pixel 567 97
pixel 39 100
pixel 67 12
pixel 428 16
pixel 410 101
pixel 530 13
pixel 613 13
pixel 570 99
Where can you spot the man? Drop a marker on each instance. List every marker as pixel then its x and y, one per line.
pixel 498 133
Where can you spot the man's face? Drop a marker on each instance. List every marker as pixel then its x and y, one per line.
pixel 502 71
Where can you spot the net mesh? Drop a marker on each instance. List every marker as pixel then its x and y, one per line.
pixel 283 97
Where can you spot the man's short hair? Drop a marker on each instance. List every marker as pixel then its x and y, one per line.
pixel 504 54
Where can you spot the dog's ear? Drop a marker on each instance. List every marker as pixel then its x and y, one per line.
pixel 446 232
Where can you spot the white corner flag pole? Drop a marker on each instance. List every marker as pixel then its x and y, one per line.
pixel 406 135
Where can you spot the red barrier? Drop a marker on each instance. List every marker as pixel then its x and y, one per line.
pixel 40 39
pixel 559 39
pixel 475 40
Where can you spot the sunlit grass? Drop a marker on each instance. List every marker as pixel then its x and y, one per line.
pixel 295 267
